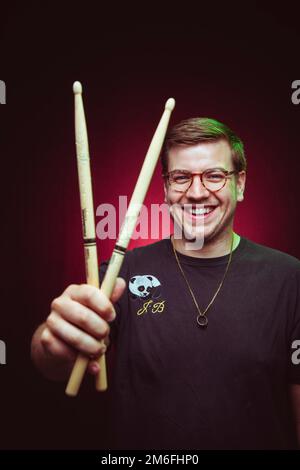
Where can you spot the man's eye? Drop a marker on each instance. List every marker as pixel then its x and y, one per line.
pixel 216 176
pixel 181 178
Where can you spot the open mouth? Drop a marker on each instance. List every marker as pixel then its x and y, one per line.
pixel 195 212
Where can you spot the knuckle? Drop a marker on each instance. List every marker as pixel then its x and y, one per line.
pixel 96 348
pixel 106 330
pixel 71 288
pixel 56 303
pixel 83 318
pixel 45 338
pixel 86 292
pixel 103 329
pixel 50 322
pixel 106 305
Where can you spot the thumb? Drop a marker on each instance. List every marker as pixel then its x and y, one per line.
pixel 118 289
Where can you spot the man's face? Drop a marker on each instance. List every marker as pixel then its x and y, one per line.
pixel 184 206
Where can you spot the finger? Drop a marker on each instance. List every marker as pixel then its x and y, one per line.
pixel 93 367
pixel 92 297
pixel 118 289
pixel 73 336
pixel 81 316
pixel 55 347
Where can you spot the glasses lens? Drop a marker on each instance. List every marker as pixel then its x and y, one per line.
pixel 180 180
pixel 214 180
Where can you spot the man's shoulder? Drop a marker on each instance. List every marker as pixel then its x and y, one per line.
pixel 265 254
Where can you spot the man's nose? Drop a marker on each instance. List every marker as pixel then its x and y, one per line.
pixel 197 190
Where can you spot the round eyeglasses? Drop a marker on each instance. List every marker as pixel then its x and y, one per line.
pixel 212 179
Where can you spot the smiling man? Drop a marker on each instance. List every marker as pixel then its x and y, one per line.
pixel 202 189
pixel 205 323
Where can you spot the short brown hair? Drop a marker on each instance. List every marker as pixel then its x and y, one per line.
pixel 196 130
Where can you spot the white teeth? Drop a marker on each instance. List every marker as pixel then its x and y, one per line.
pixel 201 211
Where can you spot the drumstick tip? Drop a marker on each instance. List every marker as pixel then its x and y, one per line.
pixel 77 88
pixel 170 104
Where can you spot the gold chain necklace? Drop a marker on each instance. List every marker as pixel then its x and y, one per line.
pixel 201 317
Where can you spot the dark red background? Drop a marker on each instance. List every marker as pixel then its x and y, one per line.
pixel 234 65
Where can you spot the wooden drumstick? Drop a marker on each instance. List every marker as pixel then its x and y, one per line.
pixel 135 204
pixel 89 234
pixel 133 210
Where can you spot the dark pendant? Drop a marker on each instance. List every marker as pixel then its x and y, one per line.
pixel 202 320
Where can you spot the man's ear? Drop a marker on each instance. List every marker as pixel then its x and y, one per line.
pixel 241 182
pixel 240 195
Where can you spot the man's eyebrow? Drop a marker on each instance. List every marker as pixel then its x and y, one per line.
pixel 216 168
pixel 208 169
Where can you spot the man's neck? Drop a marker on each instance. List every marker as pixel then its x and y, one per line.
pixel 211 248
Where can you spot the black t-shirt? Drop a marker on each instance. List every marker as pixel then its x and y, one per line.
pixel 179 386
